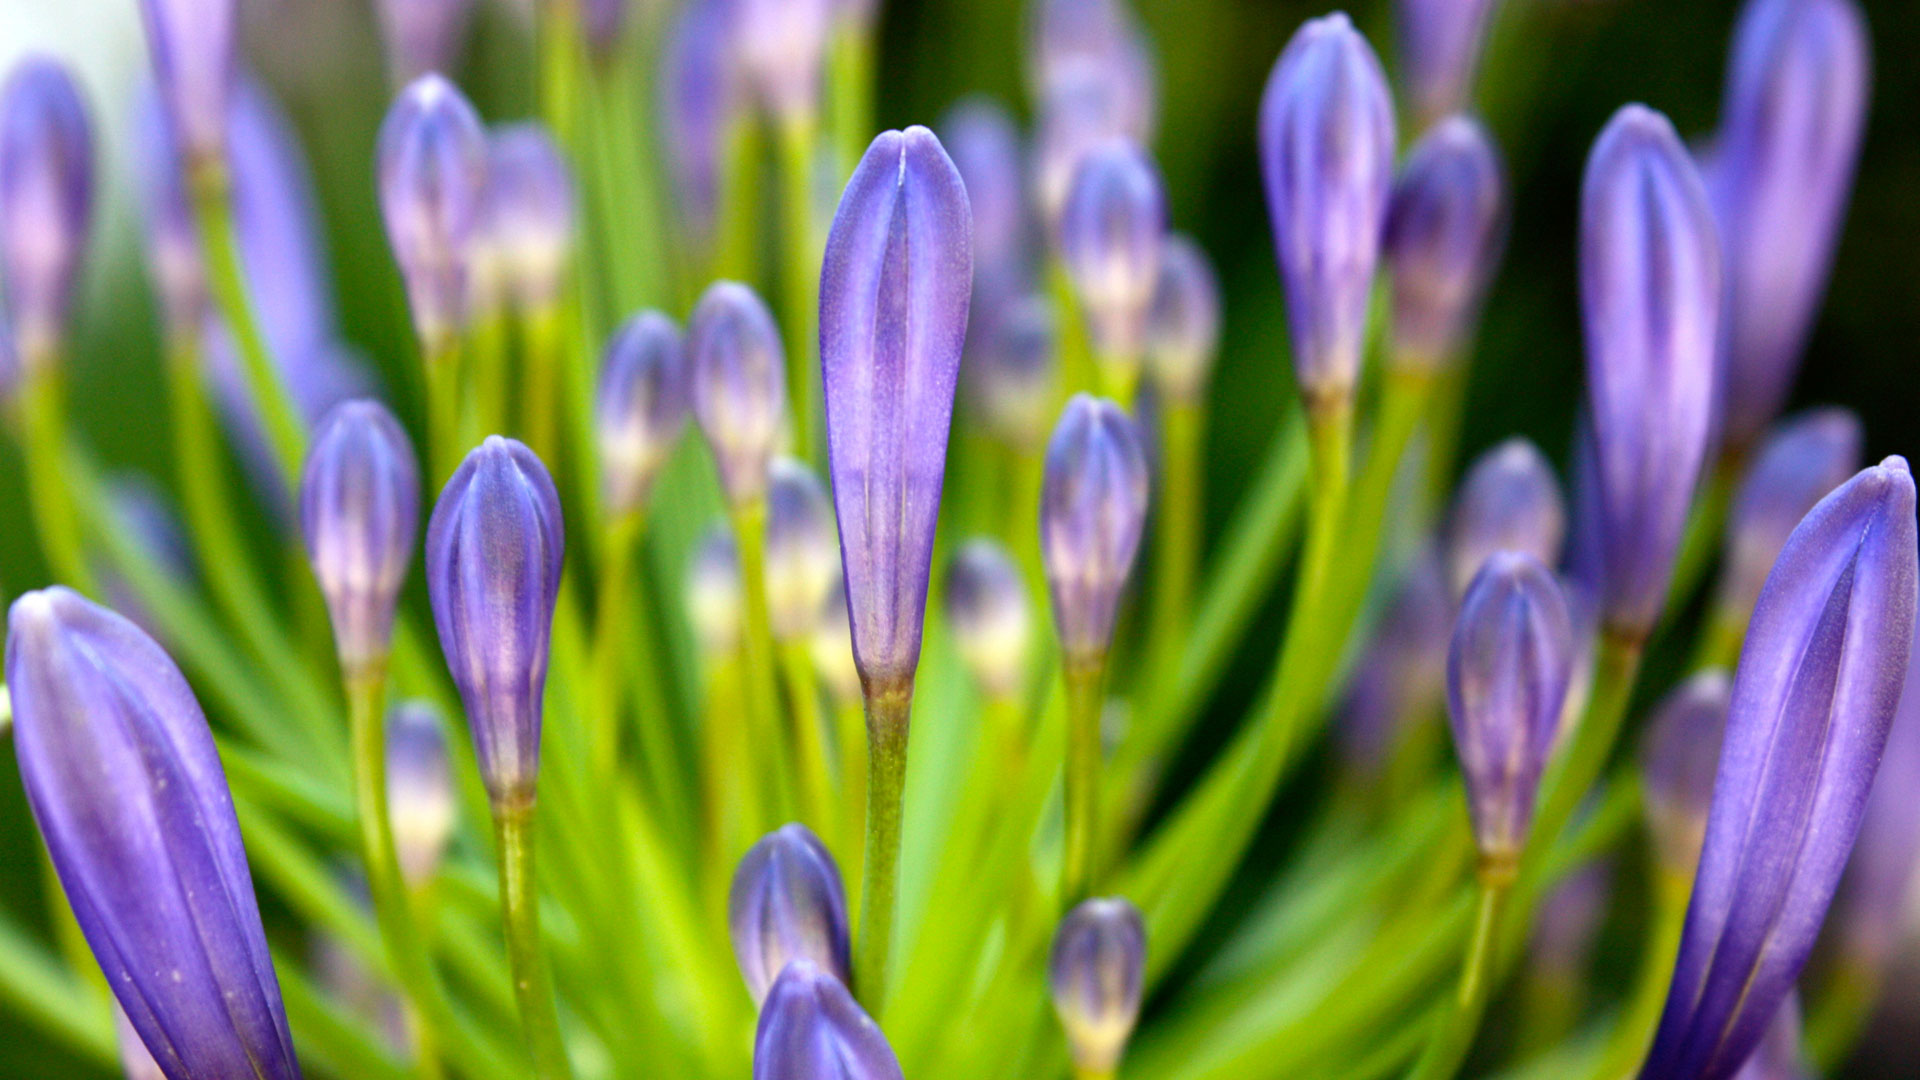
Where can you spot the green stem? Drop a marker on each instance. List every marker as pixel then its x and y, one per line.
pixel 393 908
pixel 442 361
pixel 526 955
pixel 737 230
pixel 43 407
pixel 1085 678
pixel 1176 534
pixel 850 737
pixel 769 757
pixel 1574 772
pixel 1633 1032
pixel 615 593
pixel 1076 351
pixel 809 738
pixel 889 709
pixel 1081 1073
pixel 1453 1035
pixel 542 333
pixel 801 276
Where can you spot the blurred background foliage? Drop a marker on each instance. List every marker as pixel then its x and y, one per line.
pixel 1555 70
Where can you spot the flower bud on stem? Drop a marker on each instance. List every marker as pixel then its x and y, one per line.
pixel 513 822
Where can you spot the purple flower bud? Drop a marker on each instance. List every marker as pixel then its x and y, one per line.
pixel 811 1029
pixel 1093 504
pixel 422 35
pixel 1800 462
pixel 1778 1057
pixel 360 513
pixel 494 550
pixel 433 181
pixel 1650 290
pixel 714 593
pixel 1795 109
pixel 1012 370
pixel 1097 46
pixel 1401 678
pixel 120 770
pixel 992 624
pixel 1678 761
pixel 782 46
pixel 420 793
pixel 1818 682
pixel 893 317
pixel 1326 149
pixel 46 199
pixel 1096 973
pixel 640 409
pixel 803 551
pixel 1881 881
pixel 1509 501
pixel 1111 233
pixel 787 903
pixel 1183 323
pixel 194 46
pixel 528 215
pixel 739 385
pixel 700 95
pixel 172 243
pixel 1507 674
pixel 1081 114
pixel 1440 43
pixel 985 145
pixel 1445 228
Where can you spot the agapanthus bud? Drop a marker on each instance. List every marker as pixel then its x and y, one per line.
pixel 1093 504
pixel 803 551
pixel 985 145
pixel 1096 973
pixel 1650 293
pixel 1183 322
pixel 1401 677
pixel 433 181
pixel 1883 879
pixel 1507 674
pixel 46 200
pixel 1805 458
pixel 422 35
pixel 1795 109
pixel 1111 233
pixel 992 623
pixel 787 903
pixel 1012 370
pixel 1678 761
pixel 172 245
pixel 831 647
pixel 1779 1057
pixel 120 771
pixel 494 550
pixel 714 595
pixel 640 408
pixel 420 795
pixel 1509 501
pixel 1326 151
pixel 529 214
pixel 700 95
pixel 1081 113
pixel 195 46
pixel 782 48
pixel 811 1029
pixel 1815 692
pixel 1098 43
pixel 1440 42
pixel 360 513
pixel 739 372
pixel 893 318
pixel 1444 231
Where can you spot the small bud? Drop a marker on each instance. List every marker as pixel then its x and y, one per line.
pixel 494 551
pixel 46 200
pixel 1077 43
pixel 714 595
pixel 422 35
pixel 1678 760
pixel 194 46
pixel 803 550
pixel 1440 42
pixel 991 620
pixel 1082 112
pixel 739 374
pixel 1444 233
pixel 1401 678
pixel 1183 323
pixel 1507 673
pixel 1012 371
pixel 1803 460
pixel 1509 501
pixel 640 408
pixel 1326 151
pixel 787 903
pixel 1096 973
pixel 528 216
pixel 1093 505
pixel 782 45
pixel 420 794
pixel 433 180
pixel 1650 293
pixel 811 1029
pixel 360 513
pixel 985 145
pixel 700 97
pixel 172 245
pixel 1111 233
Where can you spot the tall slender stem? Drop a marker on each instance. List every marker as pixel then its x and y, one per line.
pixel 1579 765
pixel 1453 1035
pixel 809 737
pixel 442 362
pixel 1176 534
pixel 770 763
pixel 1085 678
pixel 520 903
pixel 800 275
pixel 889 709
pixel 43 409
